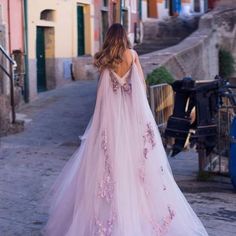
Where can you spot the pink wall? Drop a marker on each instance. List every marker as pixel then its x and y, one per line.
pixel 3 3
pixel 16 23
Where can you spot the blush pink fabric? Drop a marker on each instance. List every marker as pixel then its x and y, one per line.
pixel 119 182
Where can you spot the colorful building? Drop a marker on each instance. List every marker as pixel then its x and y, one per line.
pixel 56 34
pixel 158 9
pixel 152 9
pixel 64 33
pixel 58 38
pixel 12 35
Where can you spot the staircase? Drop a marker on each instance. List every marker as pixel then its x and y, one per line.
pixel 160 34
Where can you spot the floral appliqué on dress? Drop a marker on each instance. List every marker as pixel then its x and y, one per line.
pixel 106 228
pixel 149 144
pixel 161 228
pixel 106 186
pixel 126 87
pixel 106 192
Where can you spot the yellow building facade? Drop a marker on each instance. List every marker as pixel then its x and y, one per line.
pixel 58 31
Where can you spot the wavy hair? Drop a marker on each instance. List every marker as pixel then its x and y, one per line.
pixel 115 43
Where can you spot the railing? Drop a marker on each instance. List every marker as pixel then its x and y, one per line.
pixel 219 159
pixel 161 99
pixel 10 75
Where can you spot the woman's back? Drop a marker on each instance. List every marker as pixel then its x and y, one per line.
pixel 127 60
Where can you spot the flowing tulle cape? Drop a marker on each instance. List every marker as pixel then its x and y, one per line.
pixel 119 182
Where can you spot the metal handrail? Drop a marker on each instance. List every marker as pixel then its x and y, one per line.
pixel 10 75
pixel 7 56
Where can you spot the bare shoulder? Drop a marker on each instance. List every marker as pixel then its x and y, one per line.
pixel 131 54
pixel 136 57
pixel 128 55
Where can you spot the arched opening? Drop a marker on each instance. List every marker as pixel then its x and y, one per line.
pixel 48 15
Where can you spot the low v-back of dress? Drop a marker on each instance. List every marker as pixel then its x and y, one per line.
pixel 119 182
pixel 123 79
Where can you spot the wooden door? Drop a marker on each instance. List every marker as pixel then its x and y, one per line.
pixel 152 9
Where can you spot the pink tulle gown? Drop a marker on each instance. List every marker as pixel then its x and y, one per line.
pixel 119 182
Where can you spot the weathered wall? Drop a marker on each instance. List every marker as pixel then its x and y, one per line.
pixel 4 114
pixel 14 28
pixel 197 55
pixel 225 23
pixel 4 101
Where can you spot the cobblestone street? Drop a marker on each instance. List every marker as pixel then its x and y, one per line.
pixel 31 160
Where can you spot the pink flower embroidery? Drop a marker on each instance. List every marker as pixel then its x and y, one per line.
pixel 126 87
pixel 160 228
pixel 106 185
pixel 106 191
pixel 105 228
pixel 149 143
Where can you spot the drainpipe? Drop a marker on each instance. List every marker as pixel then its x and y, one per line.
pixel 140 10
pixel 121 11
pixel 11 73
pixel 26 61
pixel 9 25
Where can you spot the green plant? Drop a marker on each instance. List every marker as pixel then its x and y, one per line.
pixel 204 176
pixel 159 76
pixel 226 63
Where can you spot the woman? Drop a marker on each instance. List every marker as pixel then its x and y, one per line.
pixel 119 182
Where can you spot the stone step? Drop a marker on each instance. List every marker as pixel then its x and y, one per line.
pixel 150 29
pixel 23 117
pixel 150 46
pixel 170 27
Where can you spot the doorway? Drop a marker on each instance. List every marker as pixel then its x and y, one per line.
pixel 152 9
pixel 40 56
pixel 174 7
pixel 197 6
pixel 80 30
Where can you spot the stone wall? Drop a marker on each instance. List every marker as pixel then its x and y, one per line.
pixel 4 115
pixel 4 101
pixel 197 55
pixel 83 68
pixel 6 125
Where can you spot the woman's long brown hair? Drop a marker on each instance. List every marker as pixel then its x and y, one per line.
pixel 115 44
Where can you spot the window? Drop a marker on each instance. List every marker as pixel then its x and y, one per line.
pixel 134 6
pixel 166 3
pixel 47 15
pixel 114 10
pixel 105 24
pixel 105 3
pixel 124 18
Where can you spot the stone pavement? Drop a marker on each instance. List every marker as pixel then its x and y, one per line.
pixel 214 201
pixel 31 160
